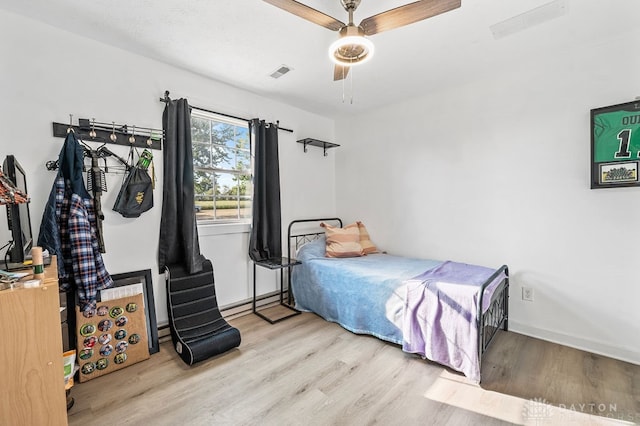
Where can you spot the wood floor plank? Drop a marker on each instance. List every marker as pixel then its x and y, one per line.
pixel 306 371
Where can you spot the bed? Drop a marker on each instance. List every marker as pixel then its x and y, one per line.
pixel 444 311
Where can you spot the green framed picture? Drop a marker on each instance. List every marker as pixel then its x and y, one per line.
pixel 615 145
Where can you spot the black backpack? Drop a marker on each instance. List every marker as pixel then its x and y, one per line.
pixel 136 195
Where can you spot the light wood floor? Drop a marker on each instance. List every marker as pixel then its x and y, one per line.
pixel 306 371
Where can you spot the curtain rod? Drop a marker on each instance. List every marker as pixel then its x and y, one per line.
pixel 167 99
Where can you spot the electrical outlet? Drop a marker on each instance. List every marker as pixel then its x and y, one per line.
pixel 527 294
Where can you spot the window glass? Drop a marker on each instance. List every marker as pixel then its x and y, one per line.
pixel 222 168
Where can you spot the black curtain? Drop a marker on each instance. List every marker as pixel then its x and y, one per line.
pixel 266 238
pixel 178 233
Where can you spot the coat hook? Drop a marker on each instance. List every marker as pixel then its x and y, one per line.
pixel 132 138
pixel 92 132
pixel 113 136
pixel 70 128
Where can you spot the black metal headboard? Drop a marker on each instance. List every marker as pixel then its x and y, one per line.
pixel 297 240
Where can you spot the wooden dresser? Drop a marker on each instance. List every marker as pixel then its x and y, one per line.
pixel 31 370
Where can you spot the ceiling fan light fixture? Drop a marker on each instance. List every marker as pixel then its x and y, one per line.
pixel 352 48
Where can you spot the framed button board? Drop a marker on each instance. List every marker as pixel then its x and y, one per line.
pixel 615 145
pixel 114 338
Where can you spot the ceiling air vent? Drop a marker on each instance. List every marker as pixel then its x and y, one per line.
pixel 280 71
pixel 529 19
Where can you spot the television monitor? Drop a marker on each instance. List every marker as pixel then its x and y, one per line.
pixel 18 217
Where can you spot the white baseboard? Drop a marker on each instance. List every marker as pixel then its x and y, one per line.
pixel 232 311
pixel 622 354
pixel 246 307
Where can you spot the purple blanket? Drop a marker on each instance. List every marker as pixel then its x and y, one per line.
pixel 440 313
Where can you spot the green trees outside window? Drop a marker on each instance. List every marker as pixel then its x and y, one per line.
pixel 222 168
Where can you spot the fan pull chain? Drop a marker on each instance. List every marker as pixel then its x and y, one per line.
pixel 351 82
pixel 343 85
pixel 350 76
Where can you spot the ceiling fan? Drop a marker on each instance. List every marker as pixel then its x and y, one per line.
pixel 352 48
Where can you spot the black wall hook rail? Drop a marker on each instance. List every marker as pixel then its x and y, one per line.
pixel 103 134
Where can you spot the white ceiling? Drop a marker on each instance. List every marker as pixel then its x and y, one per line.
pixel 241 42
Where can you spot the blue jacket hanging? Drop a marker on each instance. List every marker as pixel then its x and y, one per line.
pixel 68 229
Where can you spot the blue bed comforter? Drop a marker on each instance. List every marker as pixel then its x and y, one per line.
pixel 338 289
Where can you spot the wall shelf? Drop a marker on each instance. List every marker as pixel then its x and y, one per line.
pixel 315 142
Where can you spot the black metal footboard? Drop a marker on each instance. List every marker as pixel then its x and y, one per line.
pixel 497 314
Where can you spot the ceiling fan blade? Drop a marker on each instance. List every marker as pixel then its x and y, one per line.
pixel 340 72
pixel 308 13
pixel 407 14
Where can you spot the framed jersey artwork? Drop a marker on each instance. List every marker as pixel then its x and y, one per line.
pixel 615 145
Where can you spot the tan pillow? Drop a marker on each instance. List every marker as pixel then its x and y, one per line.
pixel 365 240
pixel 342 242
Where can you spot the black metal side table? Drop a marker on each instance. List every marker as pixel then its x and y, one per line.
pixel 279 263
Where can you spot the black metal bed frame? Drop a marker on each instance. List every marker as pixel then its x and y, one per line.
pixel 497 313
pixel 489 321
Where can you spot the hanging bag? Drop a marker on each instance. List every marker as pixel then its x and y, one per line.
pixel 136 194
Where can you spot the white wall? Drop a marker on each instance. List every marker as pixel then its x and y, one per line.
pixel 497 171
pixel 48 73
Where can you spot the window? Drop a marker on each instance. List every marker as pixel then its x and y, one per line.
pixel 222 168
